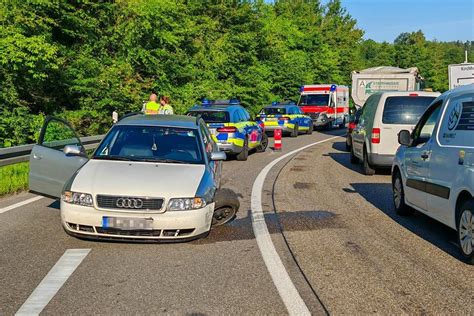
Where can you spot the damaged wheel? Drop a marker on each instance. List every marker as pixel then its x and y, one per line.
pixel 227 205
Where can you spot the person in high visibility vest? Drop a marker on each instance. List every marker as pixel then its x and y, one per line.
pixel 165 107
pixel 152 107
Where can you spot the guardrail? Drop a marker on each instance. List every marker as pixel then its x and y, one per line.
pixel 12 155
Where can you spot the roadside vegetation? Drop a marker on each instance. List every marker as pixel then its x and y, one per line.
pixel 14 178
pixel 84 59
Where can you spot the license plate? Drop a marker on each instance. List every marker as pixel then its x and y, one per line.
pixel 271 119
pixel 127 223
pixel 213 131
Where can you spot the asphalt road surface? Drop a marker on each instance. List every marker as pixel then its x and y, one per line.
pixel 334 229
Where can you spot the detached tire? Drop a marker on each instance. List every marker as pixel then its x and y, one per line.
pixel 244 154
pixel 465 230
pixel 368 170
pixel 399 196
pixel 263 144
pixel 226 207
pixel 295 131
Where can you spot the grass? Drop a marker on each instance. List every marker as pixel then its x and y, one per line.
pixel 14 178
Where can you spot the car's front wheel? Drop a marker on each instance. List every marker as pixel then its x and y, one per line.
pixel 465 227
pixel 295 131
pixel 399 195
pixel 226 206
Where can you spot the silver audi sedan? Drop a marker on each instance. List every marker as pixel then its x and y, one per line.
pixel 153 177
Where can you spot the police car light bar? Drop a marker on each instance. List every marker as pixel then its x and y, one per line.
pixel 206 102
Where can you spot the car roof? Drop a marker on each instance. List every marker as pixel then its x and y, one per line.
pixel 469 88
pixel 160 120
pixel 228 108
pixel 408 93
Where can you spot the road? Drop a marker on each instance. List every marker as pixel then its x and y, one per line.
pixel 334 229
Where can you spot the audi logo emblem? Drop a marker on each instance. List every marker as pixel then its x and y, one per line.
pixel 129 203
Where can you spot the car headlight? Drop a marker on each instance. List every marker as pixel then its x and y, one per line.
pixel 77 198
pixel 186 204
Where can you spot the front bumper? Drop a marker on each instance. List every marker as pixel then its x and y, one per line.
pixel 86 222
pixel 384 161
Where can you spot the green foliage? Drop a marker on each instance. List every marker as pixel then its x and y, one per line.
pixel 81 60
pixel 14 178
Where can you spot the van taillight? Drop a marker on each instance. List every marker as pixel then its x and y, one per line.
pixel 228 129
pixel 413 94
pixel 375 135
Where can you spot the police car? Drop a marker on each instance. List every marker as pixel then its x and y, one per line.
pixel 433 170
pixel 286 116
pixel 231 127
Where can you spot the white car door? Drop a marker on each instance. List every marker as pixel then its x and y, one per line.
pixel 417 158
pixel 50 166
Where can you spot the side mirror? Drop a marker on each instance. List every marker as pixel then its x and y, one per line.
pixel 218 155
pixel 404 138
pixel 73 150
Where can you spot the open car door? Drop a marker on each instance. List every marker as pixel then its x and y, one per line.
pixel 57 156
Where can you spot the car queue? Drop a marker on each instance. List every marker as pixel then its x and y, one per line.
pixel 180 157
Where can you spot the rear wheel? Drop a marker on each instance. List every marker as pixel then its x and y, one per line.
pixel 263 144
pixel 243 155
pixel 354 159
pixel 348 142
pixel 368 170
pixel 465 227
pixel 343 124
pixel 295 131
pixel 399 196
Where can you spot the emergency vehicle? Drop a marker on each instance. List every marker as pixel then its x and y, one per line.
pixel 231 127
pixel 326 104
pixel 286 116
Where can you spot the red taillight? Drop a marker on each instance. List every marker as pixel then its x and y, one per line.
pixel 227 129
pixel 352 125
pixel 283 118
pixel 413 94
pixel 375 135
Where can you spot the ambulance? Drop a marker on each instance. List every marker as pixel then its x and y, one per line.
pixel 326 104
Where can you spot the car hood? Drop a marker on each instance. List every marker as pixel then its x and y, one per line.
pixel 124 178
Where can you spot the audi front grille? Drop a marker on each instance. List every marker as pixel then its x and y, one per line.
pixel 129 203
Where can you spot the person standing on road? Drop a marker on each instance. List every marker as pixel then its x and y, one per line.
pixel 165 107
pixel 152 107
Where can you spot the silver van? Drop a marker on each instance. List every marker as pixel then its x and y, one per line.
pixel 384 115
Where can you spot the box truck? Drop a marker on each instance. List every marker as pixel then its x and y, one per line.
pixel 381 79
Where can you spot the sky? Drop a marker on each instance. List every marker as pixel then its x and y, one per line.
pixel 384 20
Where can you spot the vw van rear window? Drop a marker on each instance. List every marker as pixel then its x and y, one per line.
pixel 405 109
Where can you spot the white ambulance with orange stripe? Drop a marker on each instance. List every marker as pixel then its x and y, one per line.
pixel 326 104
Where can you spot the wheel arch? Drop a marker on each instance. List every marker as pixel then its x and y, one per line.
pixel 463 196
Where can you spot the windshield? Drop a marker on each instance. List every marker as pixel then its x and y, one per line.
pixel 273 111
pixel 405 110
pixel 151 144
pixel 212 116
pixel 314 99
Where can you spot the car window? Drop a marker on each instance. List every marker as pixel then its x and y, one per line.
pixel 246 115
pixel 405 109
pixel 209 144
pixel 242 115
pixel 314 99
pixel 457 125
pixel 212 116
pixel 424 129
pixel 273 111
pixel 151 144
pixel 58 134
pixel 236 117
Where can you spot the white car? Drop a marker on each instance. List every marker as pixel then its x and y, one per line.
pixel 153 177
pixel 384 114
pixel 433 170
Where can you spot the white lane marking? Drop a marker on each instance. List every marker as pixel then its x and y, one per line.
pixel 53 281
pixel 11 207
pixel 287 290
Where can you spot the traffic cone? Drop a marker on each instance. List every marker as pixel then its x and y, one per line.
pixel 277 139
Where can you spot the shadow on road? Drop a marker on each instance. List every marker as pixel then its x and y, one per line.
pixel 342 157
pixel 241 228
pixel 441 236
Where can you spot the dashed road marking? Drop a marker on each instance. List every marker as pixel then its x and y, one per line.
pixel 53 281
pixel 287 290
pixel 11 207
